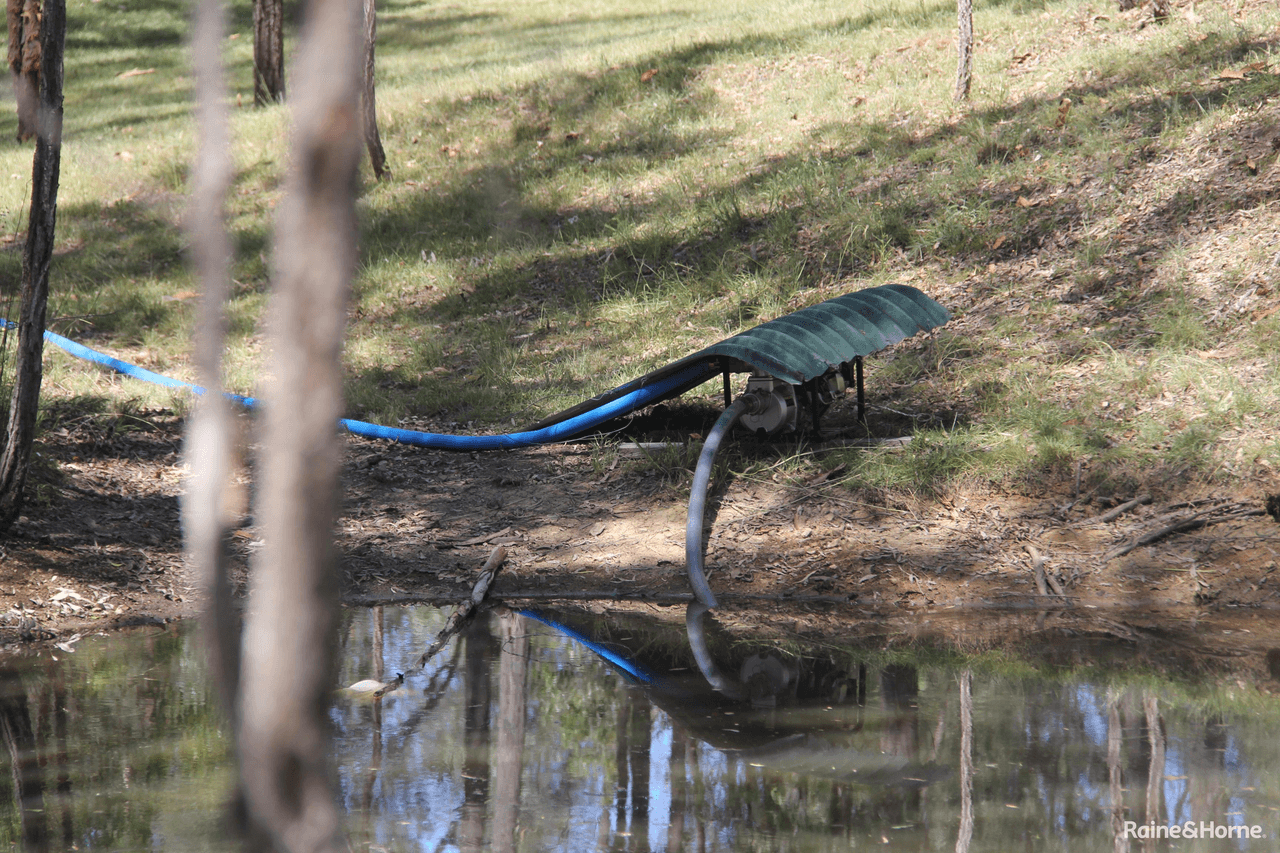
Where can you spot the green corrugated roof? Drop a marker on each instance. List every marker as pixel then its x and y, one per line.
pixel 799 346
pixel 809 342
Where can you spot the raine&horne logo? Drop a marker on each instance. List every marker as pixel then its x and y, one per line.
pixel 1190 829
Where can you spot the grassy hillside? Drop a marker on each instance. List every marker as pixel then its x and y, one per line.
pixel 583 191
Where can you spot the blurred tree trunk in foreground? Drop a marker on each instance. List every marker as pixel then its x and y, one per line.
pixel 19 434
pixel 287 653
pixel 268 52
pixel 206 517
pixel 368 103
pixel 285 656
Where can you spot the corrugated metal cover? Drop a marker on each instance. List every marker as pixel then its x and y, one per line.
pixel 806 344
pixel 800 346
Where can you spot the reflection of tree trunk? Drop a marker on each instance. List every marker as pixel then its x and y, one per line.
pixel 376 653
pixel 623 777
pixel 268 52
pixel 1155 773
pixel 899 689
pixel 63 785
pixel 1115 738
pixel 475 761
pixel 368 101
pixel 513 699
pixel 966 762
pixel 697 796
pixel 641 734
pixel 634 722
pixel 679 789
pixel 375 759
pixel 24 763
pixel 1207 791
pixel 19 435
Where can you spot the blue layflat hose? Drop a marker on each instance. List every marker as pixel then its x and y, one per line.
pixel 562 431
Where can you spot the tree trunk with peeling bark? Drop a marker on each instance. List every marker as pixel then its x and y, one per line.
pixel 268 52
pixel 24 62
pixel 19 435
pixel 964 45
pixel 368 102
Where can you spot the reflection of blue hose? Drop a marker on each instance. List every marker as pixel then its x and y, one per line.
pixel 631 669
pixel 625 404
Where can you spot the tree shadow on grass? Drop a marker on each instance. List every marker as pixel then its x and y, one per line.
pixel 904 218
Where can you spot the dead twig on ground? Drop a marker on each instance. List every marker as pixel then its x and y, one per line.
pixel 1044 580
pixel 1116 512
pixel 1181 523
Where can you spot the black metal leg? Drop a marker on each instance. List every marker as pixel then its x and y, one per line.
pixel 862 396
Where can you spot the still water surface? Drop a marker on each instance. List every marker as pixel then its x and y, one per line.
pixel 564 731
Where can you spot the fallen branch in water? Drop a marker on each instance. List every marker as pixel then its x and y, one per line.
pixel 459 618
pixel 465 610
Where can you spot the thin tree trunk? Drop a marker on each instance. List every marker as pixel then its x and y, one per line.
pixel 288 650
pixel 15 460
pixel 368 101
pixel 268 52
pixel 964 43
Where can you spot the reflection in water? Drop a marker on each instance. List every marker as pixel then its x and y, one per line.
pixel 578 733
pixel 24 762
pixel 116 746
pixel 631 737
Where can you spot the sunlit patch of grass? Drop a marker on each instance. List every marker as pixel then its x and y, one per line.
pixel 580 196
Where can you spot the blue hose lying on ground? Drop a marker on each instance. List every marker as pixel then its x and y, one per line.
pixel 621 401
pixel 559 431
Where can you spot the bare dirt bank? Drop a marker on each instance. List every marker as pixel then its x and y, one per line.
pixel 100 547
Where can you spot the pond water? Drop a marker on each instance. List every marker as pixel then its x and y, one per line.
pixel 566 731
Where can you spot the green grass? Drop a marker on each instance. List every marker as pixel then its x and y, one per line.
pixel 582 192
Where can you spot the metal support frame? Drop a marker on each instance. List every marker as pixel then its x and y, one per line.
pixel 862 394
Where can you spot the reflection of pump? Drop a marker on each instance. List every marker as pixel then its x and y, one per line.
pixel 761 679
pixel 766 677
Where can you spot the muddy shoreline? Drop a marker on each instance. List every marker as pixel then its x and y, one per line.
pixel 100 548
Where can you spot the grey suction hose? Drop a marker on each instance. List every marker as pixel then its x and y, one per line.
pixel 693 549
